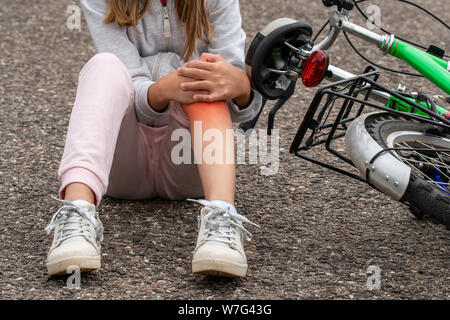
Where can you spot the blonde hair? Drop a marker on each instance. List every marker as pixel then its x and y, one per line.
pixel 193 13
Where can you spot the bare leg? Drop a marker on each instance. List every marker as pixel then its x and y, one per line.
pixel 79 191
pixel 218 179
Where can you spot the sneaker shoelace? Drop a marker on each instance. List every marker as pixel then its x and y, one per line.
pixel 218 223
pixel 75 222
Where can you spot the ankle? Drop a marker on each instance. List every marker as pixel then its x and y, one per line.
pixel 79 191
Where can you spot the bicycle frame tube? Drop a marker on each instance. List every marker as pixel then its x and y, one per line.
pixel 339 21
pixel 391 102
pixel 399 105
pixel 433 68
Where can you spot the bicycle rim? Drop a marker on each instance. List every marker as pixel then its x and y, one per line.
pixel 427 155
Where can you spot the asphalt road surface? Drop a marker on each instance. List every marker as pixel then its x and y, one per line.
pixel 319 232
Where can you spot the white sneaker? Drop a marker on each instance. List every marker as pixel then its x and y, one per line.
pixel 220 249
pixel 77 237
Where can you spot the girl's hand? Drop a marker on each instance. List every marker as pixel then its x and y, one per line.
pixel 168 88
pixel 218 77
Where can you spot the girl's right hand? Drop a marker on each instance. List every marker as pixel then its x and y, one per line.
pixel 168 88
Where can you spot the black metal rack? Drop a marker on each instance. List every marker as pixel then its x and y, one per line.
pixel 326 121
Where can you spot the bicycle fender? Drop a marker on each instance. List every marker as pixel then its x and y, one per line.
pixel 382 170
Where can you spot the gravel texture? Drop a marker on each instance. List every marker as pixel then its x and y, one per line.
pixel 319 231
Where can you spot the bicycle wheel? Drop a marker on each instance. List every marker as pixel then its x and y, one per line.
pixel 425 149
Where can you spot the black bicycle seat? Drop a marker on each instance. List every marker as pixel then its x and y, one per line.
pixel 268 53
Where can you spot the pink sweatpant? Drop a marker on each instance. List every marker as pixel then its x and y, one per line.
pixel 111 152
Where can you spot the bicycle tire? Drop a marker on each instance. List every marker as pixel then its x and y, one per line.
pixel 422 197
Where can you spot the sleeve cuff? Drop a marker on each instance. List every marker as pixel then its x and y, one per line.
pixel 144 112
pixel 239 115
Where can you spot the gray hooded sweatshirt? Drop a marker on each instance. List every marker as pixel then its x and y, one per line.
pixel 156 51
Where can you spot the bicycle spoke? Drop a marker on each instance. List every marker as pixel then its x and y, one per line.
pixel 438 162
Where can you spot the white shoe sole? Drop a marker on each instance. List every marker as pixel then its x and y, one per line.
pixel 219 268
pixel 85 264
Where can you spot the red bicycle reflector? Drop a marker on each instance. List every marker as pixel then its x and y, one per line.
pixel 315 68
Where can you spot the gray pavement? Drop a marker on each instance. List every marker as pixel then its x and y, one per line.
pixel 319 231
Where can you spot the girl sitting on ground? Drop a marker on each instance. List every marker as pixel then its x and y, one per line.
pixel 162 65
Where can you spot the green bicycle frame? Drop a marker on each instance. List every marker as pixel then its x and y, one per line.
pixel 431 67
pixel 399 105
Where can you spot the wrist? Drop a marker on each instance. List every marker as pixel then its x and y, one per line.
pixel 244 99
pixel 157 97
pixel 245 96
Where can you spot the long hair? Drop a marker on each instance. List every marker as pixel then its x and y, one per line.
pixel 192 13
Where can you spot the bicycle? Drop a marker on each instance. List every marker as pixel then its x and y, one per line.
pixel 402 149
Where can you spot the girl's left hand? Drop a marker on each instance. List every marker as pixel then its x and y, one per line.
pixel 217 76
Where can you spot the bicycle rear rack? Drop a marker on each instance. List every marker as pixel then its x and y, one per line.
pixel 325 122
